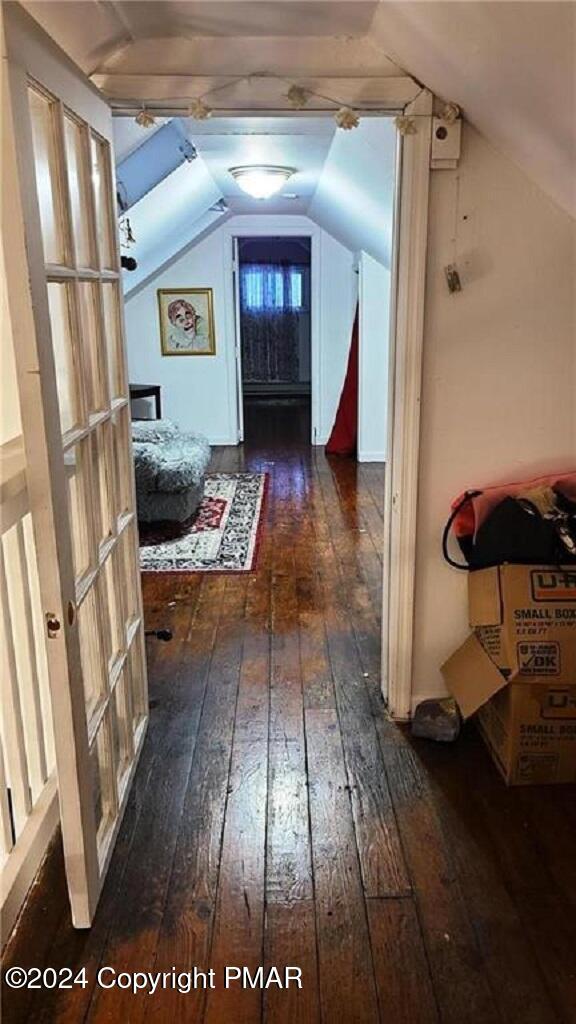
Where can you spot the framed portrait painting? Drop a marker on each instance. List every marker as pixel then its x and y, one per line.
pixel 186 321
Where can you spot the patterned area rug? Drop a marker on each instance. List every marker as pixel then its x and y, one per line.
pixel 223 536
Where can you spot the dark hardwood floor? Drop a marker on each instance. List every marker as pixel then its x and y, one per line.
pixel 278 817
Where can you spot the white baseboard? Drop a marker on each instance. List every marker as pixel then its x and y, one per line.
pixel 371 456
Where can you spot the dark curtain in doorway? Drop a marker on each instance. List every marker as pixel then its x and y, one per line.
pixel 272 298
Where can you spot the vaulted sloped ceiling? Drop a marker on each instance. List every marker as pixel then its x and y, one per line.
pixel 171 217
pixel 510 66
pixel 344 181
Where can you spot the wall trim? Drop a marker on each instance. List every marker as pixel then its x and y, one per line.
pixel 222 442
pixel 401 493
pixel 368 456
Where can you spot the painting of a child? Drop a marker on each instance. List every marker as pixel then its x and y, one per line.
pixel 186 321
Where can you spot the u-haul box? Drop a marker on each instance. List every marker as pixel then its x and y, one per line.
pixel 517 669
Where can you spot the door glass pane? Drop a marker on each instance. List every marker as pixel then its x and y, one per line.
pixel 59 298
pixel 95 396
pixel 90 634
pixel 137 681
pixel 113 340
pixel 112 598
pixel 130 574
pixel 102 781
pixel 102 482
pixel 77 164
pixel 76 468
pixel 41 113
pixel 123 467
pixel 100 181
pixel 121 719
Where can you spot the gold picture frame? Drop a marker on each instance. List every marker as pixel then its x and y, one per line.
pixel 186 321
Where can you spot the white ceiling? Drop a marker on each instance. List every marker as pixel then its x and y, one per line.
pixel 511 66
pixel 344 181
pixel 95 32
pixel 301 143
pixel 234 18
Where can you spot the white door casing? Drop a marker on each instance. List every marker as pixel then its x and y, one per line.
pixel 404 391
pixel 238 339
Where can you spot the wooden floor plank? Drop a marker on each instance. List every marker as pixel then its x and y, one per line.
pixel 185 933
pixel 458 972
pixel 517 984
pixel 239 923
pixel 384 870
pixel 238 937
pixel 291 941
pixel 317 683
pixel 345 957
pixel 289 872
pixel 402 972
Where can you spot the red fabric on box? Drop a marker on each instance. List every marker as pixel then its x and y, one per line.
pixel 476 509
pixel 344 437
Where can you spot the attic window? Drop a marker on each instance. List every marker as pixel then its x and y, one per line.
pixel 273 288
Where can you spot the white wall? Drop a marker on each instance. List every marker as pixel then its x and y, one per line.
pixel 338 297
pixel 374 354
pixel 198 392
pixel 499 366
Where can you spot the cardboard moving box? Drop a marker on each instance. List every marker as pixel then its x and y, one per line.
pixel 517 669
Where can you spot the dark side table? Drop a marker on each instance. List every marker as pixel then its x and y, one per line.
pixel 147 391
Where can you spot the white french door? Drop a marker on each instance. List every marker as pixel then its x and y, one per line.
pixel 66 306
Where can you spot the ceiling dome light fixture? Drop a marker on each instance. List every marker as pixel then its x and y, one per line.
pixel 261 180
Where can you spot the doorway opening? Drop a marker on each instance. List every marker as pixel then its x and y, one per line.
pixel 274 310
pixel 92 457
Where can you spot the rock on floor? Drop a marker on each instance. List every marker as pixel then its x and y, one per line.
pixel 437 720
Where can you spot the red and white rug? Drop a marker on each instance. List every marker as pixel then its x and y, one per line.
pixel 223 536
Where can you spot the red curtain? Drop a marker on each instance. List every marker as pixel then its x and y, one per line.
pixel 344 436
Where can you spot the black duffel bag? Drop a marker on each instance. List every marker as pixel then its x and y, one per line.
pixel 517 531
